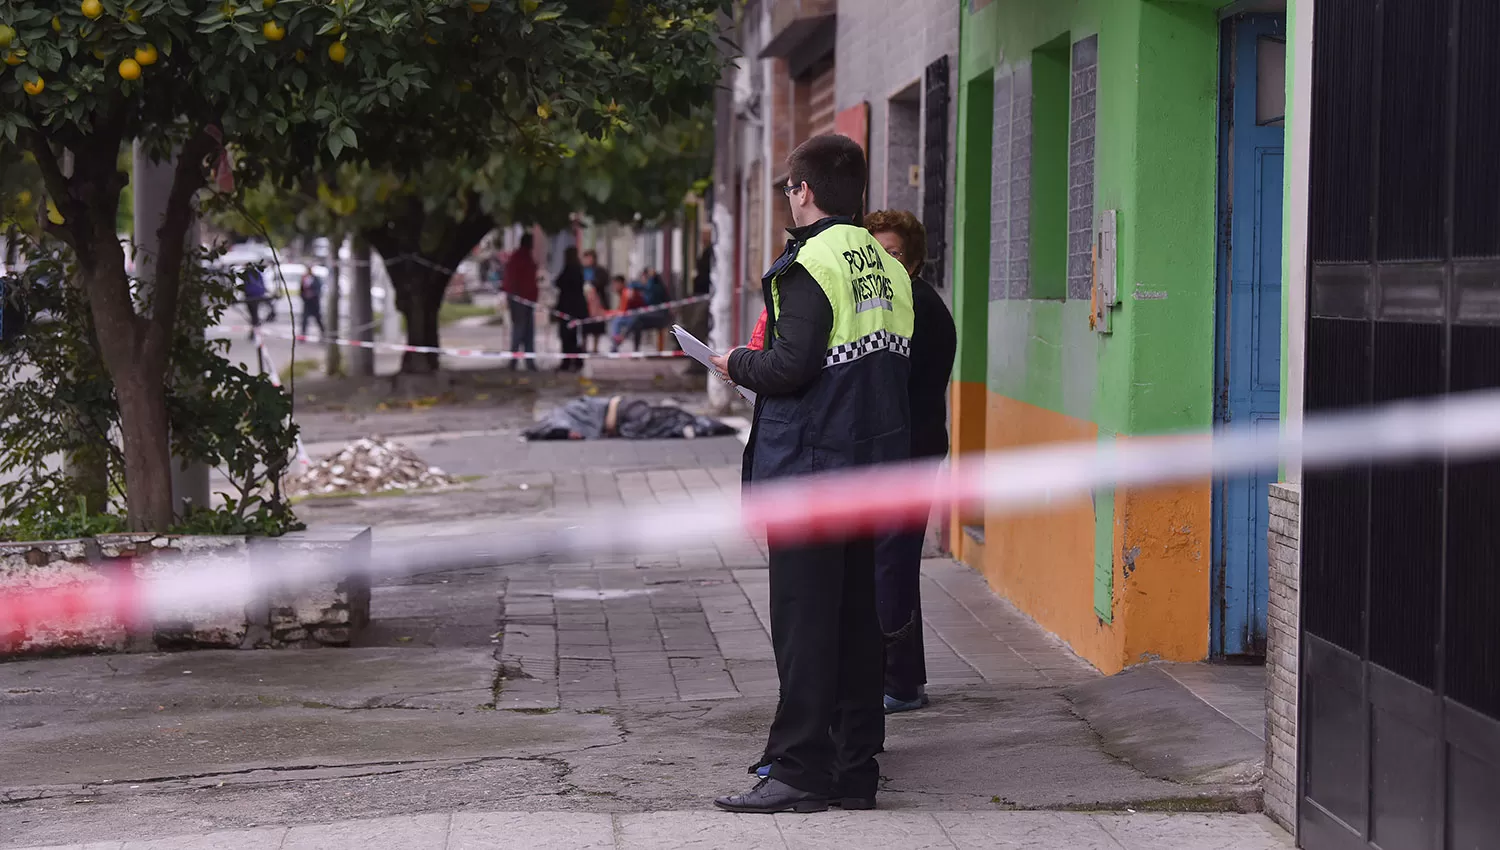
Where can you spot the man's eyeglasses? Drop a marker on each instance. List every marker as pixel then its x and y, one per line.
pixel 788 190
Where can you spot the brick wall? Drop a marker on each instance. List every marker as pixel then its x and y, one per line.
pixel 1284 548
pixel 883 47
pixel 1081 168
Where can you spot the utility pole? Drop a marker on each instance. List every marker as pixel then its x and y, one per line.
pixel 151 184
pixel 721 301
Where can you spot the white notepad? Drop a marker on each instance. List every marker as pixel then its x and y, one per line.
pixel 694 348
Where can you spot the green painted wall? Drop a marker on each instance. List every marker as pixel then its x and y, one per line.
pixel 1154 162
pixel 1155 153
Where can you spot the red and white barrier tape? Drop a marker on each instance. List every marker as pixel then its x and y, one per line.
pixel 866 500
pixel 452 352
pixel 271 373
pixel 639 311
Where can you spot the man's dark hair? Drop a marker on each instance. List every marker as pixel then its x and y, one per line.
pixel 834 167
pixel 591 254
pixel 526 241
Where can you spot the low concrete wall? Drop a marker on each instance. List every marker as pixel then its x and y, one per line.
pixel 326 614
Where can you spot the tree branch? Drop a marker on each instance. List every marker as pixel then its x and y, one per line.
pixel 187 178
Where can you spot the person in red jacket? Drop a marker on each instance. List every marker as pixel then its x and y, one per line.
pixel 520 281
pixel 758 336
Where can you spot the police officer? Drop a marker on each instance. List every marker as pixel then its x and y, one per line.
pixel 831 384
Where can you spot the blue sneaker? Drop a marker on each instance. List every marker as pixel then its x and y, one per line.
pixel 763 771
pixel 895 706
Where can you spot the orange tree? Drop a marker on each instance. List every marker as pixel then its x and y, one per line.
pixel 276 85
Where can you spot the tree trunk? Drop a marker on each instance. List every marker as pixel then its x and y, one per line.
pixel 148 458
pixel 423 306
pixel 87 470
pixel 361 311
pixel 335 352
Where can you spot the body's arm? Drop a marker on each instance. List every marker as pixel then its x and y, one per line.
pixel 795 358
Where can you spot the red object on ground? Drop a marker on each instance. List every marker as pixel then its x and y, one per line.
pixel 758 336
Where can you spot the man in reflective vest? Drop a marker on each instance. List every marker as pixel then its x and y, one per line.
pixel 832 394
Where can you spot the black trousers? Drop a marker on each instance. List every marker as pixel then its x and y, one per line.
pixel 570 345
pixel 898 597
pixel 830 722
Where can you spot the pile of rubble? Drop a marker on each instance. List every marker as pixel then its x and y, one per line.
pixel 366 466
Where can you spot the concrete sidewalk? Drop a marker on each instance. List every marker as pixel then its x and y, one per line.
pixel 697 830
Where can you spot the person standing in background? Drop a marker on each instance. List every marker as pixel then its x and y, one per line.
pixel 898 556
pixel 311 289
pixel 572 304
pixel 520 281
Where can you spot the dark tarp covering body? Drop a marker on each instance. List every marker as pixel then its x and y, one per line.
pixel 588 418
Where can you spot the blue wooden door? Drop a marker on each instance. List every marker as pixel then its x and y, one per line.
pixel 1248 349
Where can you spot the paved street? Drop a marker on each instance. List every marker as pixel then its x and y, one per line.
pixel 592 704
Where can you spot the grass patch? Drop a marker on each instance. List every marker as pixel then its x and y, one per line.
pixel 450 313
pixel 447 314
pixel 299 368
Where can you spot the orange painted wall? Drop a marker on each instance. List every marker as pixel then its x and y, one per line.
pixel 1044 561
pixel 1162 565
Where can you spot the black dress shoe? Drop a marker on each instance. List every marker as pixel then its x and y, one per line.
pixel 770 796
pixel 854 804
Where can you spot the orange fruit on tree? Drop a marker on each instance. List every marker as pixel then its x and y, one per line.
pixel 34 87
pixel 133 15
pixel 300 55
pixel 479 6
pixel 56 24
pixel 145 55
pixel 266 4
pixel 7 35
pixel 12 58
pixel 273 31
pixel 100 53
pixel 91 9
pixel 130 69
pixel 338 52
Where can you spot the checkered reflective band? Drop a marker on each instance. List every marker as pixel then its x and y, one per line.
pixel 881 340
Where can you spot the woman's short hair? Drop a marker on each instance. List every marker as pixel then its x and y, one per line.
pixel 905 225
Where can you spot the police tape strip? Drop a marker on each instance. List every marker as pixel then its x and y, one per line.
pixel 260 345
pixel 451 352
pixel 641 311
pixel 866 500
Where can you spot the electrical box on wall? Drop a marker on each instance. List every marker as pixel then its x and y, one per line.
pixel 1106 294
pixel 914 176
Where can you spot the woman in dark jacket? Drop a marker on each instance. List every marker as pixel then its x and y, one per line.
pixel 571 302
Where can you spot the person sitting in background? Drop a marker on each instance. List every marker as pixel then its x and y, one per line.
pixel 629 298
pixel 653 292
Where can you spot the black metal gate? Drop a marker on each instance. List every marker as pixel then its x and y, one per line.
pixel 1400 701
pixel 935 170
